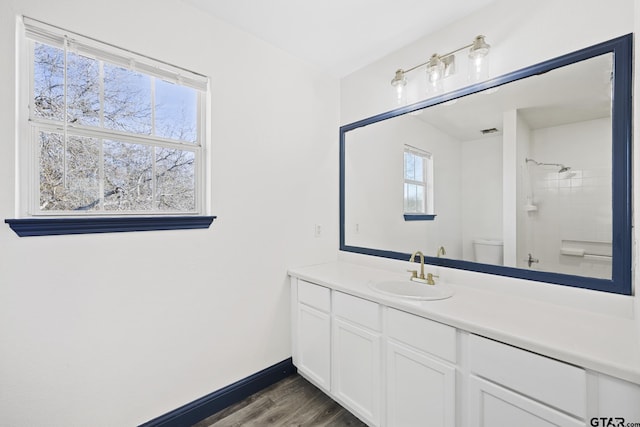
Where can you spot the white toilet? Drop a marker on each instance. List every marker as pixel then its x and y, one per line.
pixel 488 251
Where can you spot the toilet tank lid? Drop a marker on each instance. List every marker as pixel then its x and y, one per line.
pixel 493 242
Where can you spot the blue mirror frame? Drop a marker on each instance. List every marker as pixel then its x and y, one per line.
pixel 622 172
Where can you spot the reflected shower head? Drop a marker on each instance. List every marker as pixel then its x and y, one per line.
pixel 563 168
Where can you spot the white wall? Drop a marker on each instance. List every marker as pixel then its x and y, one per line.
pixel 117 329
pixel 521 33
pixel 481 190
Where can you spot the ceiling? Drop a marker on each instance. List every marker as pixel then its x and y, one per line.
pixel 339 36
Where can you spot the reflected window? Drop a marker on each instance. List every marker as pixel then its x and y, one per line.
pixel 418 181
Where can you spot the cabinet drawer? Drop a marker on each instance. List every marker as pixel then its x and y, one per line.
pixel 423 334
pixel 357 310
pixel 547 380
pixel 314 295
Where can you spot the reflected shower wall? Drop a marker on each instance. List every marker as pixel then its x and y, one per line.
pixel 565 220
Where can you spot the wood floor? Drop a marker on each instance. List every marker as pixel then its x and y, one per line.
pixel 291 402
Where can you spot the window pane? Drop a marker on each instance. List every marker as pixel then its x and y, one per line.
pixel 83 90
pixel 418 174
pixel 419 207
pixel 408 166
pixel 127 100
pixel 127 176
pixel 175 180
pixel 70 187
pixel 48 82
pixel 409 197
pixel 51 170
pixel 83 173
pixel 176 112
pixel 413 198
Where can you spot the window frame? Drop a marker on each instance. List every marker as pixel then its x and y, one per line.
pixel 29 32
pixel 427 212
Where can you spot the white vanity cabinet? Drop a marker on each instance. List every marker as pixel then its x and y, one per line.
pixel 392 368
pixel 352 347
pixel 356 366
pixel 511 386
pixel 420 371
pixel 312 332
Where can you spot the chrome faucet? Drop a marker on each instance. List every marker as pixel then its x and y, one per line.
pixel 414 273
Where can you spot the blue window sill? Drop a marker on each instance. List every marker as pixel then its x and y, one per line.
pixel 26 227
pixel 419 217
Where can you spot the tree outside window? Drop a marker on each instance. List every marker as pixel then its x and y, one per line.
pixel 107 137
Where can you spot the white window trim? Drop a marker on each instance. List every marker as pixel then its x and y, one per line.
pixel 56 36
pixel 27 179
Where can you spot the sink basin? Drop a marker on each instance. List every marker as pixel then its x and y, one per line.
pixel 412 290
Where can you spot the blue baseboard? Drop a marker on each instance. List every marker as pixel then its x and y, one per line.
pixel 208 405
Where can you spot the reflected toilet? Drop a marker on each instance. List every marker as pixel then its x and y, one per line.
pixel 488 251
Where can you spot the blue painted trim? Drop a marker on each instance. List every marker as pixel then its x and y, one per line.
pixel 26 227
pixel 342 184
pixel 622 175
pixel 210 404
pixel 419 217
pixel 622 48
pixel 498 270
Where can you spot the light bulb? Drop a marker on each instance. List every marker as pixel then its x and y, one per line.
pixel 435 72
pixel 399 82
pixel 478 60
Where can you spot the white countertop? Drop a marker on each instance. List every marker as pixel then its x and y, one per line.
pixel 597 341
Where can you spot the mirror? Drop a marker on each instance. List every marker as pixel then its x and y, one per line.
pixel 527 175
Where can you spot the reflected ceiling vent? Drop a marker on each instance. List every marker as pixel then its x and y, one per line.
pixel 489 130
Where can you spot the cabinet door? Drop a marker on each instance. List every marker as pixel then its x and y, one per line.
pixel 493 406
pixel 314 346
pixel 357 369
pixel 420 389
pixel 551 382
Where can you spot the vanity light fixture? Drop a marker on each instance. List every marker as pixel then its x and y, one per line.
pixel 440 66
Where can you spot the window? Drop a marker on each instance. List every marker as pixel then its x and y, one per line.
pixel 106 132
pixel 418 183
